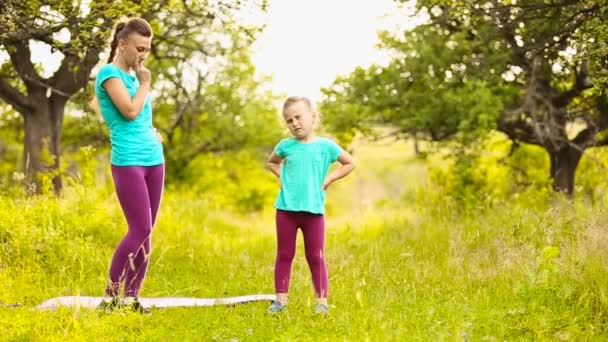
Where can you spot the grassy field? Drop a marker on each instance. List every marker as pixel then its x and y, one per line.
pixel 403 266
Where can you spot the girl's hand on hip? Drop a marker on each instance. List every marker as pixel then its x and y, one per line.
pixel 326 183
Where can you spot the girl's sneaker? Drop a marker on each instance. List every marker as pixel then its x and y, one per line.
pixel 321 309
pixel 276 307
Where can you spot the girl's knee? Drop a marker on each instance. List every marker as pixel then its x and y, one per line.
pixel 286 256
pixel 316 257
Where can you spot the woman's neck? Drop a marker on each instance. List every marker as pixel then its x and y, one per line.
pixel 120 63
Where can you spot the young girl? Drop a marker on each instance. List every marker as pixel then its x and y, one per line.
pixel 301 162
pixel 122 88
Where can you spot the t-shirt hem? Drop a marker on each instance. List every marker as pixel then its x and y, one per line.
pixel 136 163
pixel 300 209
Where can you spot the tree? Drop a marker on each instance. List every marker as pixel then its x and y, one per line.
pixel 522 68
pixel 80 33
pixel 11 135
pixel 210 101
pixel 41 100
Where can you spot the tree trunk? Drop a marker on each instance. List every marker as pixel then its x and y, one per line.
pixel 563 168
pixel 57 108
pixel 416 146
pixel 42 143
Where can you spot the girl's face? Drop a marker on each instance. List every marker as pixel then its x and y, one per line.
pixel 134 49
pixel 300 120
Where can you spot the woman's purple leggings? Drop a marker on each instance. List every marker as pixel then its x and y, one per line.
pixel 139 190
pixel 313 229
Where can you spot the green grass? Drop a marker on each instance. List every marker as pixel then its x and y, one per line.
pixel 402 266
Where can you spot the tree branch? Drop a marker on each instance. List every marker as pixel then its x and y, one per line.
pixel 585 137
pixel 600 143
pixel 73 73
pixel 519 130
pixel 21 58
pixel 581 83
pixel 15 37
pixel 14 97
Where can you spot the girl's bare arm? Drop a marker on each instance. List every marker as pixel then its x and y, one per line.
pixel 348 165
pixel 274 164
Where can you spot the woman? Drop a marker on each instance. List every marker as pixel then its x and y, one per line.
pixel 122 89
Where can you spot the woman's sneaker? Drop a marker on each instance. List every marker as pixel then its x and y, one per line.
pixel 321 309
pixel 109 304
pixel 134 304
pixel 276 307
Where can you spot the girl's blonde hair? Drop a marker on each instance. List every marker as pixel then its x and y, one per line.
pixel 294 99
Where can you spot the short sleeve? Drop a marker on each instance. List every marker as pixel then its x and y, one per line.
pixel 105 73
pixel 334 150
pixel 279 150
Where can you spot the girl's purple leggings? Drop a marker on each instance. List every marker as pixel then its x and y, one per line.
pixel 313 229
pixel 139 190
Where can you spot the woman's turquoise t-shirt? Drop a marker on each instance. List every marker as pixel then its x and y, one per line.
pixel 134 143
pixel 304 169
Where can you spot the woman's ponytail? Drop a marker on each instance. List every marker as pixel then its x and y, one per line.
pixel 114 43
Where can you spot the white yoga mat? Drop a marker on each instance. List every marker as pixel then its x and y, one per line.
pixel 161 302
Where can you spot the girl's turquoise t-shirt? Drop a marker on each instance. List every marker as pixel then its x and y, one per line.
pixel 305 167
pixel 134 143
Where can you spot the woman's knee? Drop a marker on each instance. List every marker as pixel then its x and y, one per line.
pixel 140 231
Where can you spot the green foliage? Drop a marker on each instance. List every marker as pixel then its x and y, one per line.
pixel 524 68
pixel 490 172
pixel 236 180
pixel 11 149
pixel 436 87
pixel 423 269
pixel 593 44
pixel 190 38
pixel 231 112
pixel 495 170
pixel 591 176
pixel 83 124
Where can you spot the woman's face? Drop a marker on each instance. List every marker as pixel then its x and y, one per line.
pixel 135 49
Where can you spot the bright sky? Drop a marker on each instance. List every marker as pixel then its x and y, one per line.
pixel 307 43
